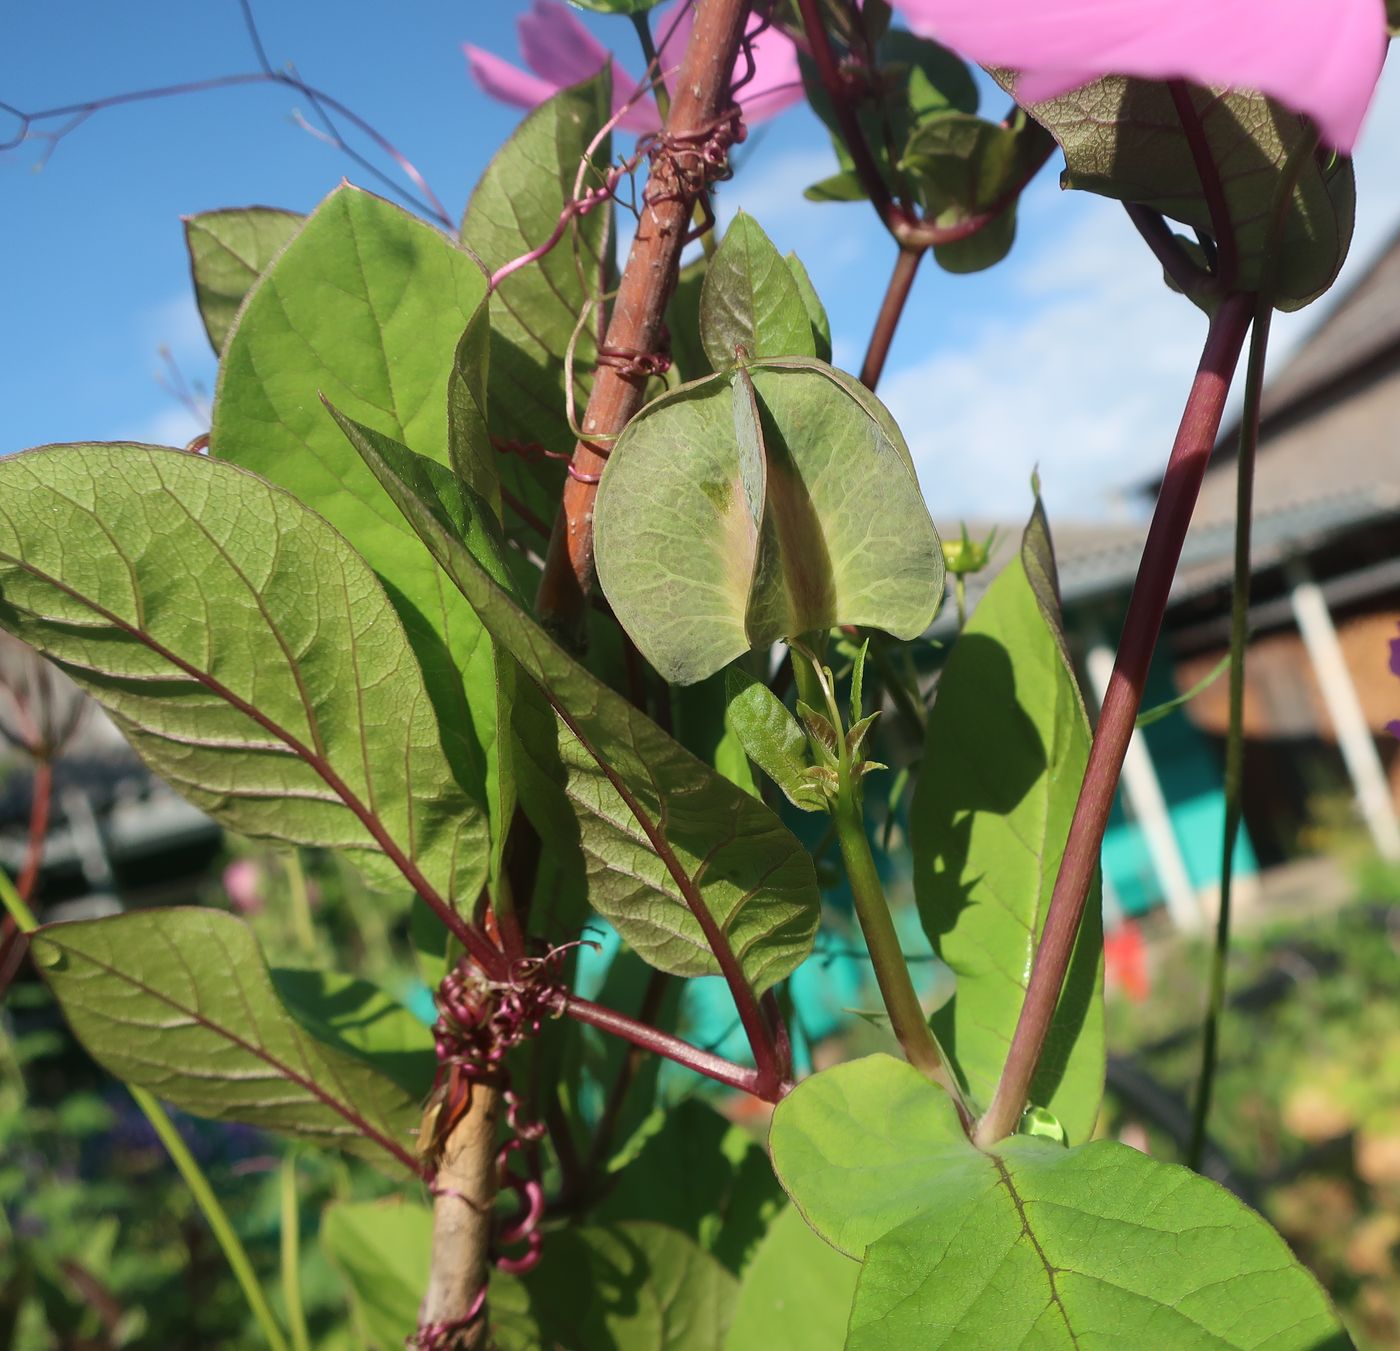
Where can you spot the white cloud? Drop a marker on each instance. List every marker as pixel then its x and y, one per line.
pixel 1084 379
pixel 1086 375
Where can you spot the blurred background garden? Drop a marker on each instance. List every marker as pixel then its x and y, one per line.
pixel 101 1244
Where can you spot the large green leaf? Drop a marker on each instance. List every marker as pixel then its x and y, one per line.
pixel 179 1002
pixel 1124 139
pixel 702 1175
pixel 627 1287
pixel 751 301
pixel 679 859
pixel 382 1249
pixel 367 306
pixel 359 1017
pixel 1029 1244
pixel 796 1292
pixel 761 505
pixel 1004 756
pixel 244 648
pixel 229 250
pixel 536 311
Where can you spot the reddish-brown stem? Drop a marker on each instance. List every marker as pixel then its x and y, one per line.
pixel 42 797
pixel 892 216
pixel 673 1048
pixel 676 181
pixel 1193 280
pixel 1200 422
pixel 906 266
pixel 1222 227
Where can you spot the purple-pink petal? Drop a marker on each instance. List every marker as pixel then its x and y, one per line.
pixel 504 82
pixel 1320 57
pixel 560 52
pixel 776 82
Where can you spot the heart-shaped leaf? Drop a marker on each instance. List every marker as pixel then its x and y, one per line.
pixel 761 505
pixel 382 1250
pixel 367 305
pixel 703 1175
pixel 229 250
pixel 1124 138
pixel 245 649
pixel 694 873
pixel 1004 755
pixel 179 1002
pixel 797 1291
pixel 750 302
pixel 626 1287
pixel 1029 1243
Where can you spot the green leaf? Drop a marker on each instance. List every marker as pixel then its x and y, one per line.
pixel 616 6
pixel 1004 755
pixel 688 361
pixel 751 301
pixel 1028 1244
pixel 842 1143
pixel 796 1292
pixel 840 187
pixel 229 250
pixel 679 859
pixel 536 311
pixel 772 737
pixel 816 311
pixel 366 306
pixel 917 81
pixel 179 1001
pixel 1123 139
pixel 382 1249
pixel 244 648
pixel 757 506
pixel 702 1175
pixel 628 1287
pixel 358 1017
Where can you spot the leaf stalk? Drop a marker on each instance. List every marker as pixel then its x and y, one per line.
pixel 1195 438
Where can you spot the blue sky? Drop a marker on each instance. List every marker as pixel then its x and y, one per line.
pixel 1071 355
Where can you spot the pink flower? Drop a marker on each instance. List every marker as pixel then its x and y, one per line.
pixel 243 881
pixel 1320 57
pixel 561 51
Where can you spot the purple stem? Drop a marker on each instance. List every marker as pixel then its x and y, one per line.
pixel 1200 422
pixel 673 1048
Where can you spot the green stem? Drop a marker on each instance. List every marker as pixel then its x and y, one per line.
pixel 1239 635
pixel 908 1021
pixel 653 70
pixel 907 1018
pixel 1234 740
pixel 214 1214
pixel 301 904
pixel 291 1255
pixel 22 915
pixel 180 1156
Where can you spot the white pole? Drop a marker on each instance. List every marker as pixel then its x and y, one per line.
pixel 1354 737
pixel 1149 806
